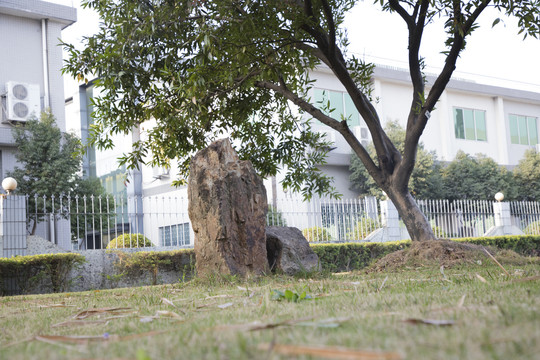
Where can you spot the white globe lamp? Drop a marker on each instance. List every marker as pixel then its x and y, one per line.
pixel 499 196
pixel 9 184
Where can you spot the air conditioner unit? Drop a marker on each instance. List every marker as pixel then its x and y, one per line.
pixel 22 101
pixel 361 133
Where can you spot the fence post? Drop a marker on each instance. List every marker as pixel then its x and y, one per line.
pixel 390 221
pixel 12 225
pixel 503 221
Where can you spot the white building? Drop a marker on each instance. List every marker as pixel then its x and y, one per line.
pixel 475 118
pixel 30 82
pixel 30 63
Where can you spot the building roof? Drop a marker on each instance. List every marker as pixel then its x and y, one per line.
pixel 37 9
pixel 402 76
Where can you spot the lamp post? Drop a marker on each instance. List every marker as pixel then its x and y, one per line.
pixel 9 184
pixel 499 196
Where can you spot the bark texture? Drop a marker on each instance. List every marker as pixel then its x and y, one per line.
pixel 227 209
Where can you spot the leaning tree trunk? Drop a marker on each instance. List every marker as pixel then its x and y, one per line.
pixel 416 222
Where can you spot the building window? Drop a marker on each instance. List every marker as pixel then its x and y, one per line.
pixel 470 124
pixel 523 130
pixel 174 235
pixel 336 104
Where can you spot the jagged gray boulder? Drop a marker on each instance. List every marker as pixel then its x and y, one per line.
pixel 289 251
pixel 227 208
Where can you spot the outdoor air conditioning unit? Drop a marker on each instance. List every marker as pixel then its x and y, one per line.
pixel 22 101
pixel 361 133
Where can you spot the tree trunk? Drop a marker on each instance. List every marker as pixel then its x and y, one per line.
pixel 416 222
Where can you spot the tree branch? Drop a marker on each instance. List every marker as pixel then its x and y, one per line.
pixel 415 130
pixel 340 126
pixel 331 26
pixel 315 51
pixel 394 4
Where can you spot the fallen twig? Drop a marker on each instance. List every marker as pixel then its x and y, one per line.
pixel 496 262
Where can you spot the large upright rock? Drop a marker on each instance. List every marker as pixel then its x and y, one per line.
pixel 227 209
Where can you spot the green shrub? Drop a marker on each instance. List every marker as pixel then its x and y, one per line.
pixel 362 228
pixel 533 228
pixel 129 241
pixel 353 256
pixel 274 217
pixel 526 245
pixel 439 233
pixel 317 234
pixel 181 261
pixel 29 272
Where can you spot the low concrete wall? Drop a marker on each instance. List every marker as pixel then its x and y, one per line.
pixel 99 270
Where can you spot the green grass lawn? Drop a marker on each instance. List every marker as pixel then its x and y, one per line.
pixel 472 312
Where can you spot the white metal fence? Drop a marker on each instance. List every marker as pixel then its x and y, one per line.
pixel 92 222
pixel 457 219
pixel 526 216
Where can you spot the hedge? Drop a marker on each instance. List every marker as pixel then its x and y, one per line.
pixel 20 274
pixel 526 245
pixel 353 256
pixel 132 264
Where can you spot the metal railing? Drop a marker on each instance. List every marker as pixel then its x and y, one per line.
pixel 328 219
pixel 526 216
pixel 460 218
pixel 93 222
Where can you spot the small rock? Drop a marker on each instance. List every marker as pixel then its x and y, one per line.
pixel 289 251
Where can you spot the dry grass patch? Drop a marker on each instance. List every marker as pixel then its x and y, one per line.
pixel 446 253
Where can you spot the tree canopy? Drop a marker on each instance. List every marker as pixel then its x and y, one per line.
pixel 527 176
pixel 50 165
pixel 476 178
pixel 208 69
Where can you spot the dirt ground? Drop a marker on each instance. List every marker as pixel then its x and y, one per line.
pixel 445 253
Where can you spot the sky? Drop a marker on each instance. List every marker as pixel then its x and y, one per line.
pixel 493 56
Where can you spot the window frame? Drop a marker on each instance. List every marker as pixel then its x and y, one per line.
pixel 353 119
pixel 180 233
pixel 516 130
pixel 466 131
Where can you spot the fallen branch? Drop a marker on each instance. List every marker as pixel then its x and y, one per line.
pixel 496 262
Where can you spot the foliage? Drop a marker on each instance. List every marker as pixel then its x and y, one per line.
pixel 526 245
pixel 533 228
pixel 129 241
pixel 241 64
pixel 290 296
pixel 527 176
pixel 51 164
pixel 317 234
pixel 362 228
pixel 274 217
pixel 182 261
pixel 29 271
pixel 439 232
pixel 476 178
pixel 352 256
pixel 425 181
